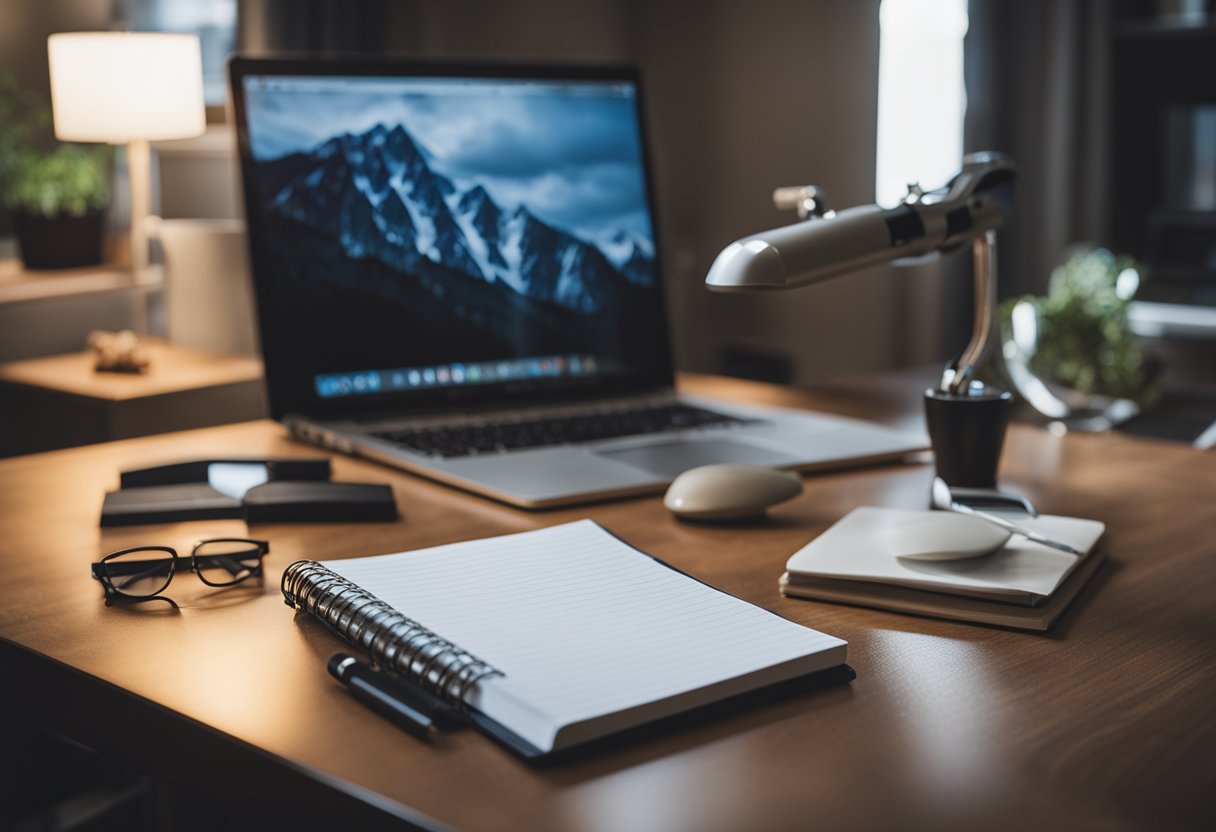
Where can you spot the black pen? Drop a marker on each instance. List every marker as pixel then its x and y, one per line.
pixel 382 694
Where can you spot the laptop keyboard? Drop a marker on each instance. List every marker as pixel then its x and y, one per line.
pixel 498 436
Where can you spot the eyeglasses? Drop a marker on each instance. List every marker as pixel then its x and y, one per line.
pixel 145 572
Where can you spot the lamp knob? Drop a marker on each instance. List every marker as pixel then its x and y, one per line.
pixel 808 200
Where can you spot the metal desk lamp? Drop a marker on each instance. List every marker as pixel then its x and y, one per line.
pixel 966 418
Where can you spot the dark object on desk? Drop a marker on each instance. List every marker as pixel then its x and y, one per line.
pixel 981 498
pixel 197 470
pixel 144 572
pixel 287 490
pixel 967 433
pixel 167 504
pixel 1178 417
pixel 287 501
pixel 389 699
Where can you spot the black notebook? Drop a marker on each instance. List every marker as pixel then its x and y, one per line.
pixel 556 637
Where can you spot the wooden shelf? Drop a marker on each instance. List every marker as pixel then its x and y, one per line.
pixel 18 285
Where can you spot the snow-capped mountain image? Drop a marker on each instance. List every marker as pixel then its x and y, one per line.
pixel 406 222
pixel 632 254
pixel 379 195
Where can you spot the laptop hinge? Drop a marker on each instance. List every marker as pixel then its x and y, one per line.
pixel 311 430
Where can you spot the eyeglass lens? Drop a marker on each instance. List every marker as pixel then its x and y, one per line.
pixel 141 573
pixel 227 562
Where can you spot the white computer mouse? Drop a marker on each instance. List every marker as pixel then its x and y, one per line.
pixel 730 492
pixel 944 535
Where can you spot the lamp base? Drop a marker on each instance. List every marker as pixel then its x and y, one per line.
pixel 967 433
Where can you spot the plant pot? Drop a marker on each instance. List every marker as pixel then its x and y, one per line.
pixel 61 242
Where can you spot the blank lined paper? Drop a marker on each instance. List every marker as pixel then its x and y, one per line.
pixel 583 626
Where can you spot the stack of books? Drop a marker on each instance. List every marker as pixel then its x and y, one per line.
pixel 1023 585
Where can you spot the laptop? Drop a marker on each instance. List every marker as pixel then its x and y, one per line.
pixel 457 273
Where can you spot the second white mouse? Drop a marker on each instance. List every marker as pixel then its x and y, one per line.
pixel 944 535
pixel 730 492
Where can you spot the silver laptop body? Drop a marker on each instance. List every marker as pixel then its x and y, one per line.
pixel 457 275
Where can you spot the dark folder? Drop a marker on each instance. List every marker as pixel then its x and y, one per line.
pixel 298 491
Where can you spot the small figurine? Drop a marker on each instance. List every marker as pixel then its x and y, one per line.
pixel 118 352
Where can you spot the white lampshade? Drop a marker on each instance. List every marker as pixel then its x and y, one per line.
pixel 121 87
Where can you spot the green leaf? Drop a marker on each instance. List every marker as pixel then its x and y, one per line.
pixel 1085 339
pixel 66 179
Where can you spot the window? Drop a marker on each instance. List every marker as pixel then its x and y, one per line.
pixel 921 97
pixel 214 21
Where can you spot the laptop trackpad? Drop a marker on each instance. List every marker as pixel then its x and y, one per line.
pixel 670 459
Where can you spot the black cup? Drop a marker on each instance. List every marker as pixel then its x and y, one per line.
pixel 967 433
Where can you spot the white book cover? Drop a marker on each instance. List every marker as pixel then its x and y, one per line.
pixel 858 548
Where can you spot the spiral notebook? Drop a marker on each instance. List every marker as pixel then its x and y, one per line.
pixel 552 638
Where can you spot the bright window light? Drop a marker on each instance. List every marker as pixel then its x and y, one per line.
pixel 214 21
pixel 921 97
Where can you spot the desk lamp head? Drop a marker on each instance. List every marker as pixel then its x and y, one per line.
pixel 830 244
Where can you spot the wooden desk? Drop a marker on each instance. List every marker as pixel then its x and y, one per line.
pixel 60 400
pixel 1107 722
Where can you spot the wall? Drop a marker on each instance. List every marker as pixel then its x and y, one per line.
pixel 792 99
pixel 25 25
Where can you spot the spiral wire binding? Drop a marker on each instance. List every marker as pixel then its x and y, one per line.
pixel 395 642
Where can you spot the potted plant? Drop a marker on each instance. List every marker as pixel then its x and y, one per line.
pixel 1072 355
pixel 58 196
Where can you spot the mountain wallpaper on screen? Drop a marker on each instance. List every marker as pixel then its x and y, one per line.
pixel 378 194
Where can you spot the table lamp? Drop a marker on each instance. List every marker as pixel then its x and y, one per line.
pixel 966 418
pixel 128 88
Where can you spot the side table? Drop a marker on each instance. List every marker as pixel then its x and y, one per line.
pixel 60 401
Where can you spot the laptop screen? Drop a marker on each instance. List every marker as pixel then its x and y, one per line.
pixel 437 236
